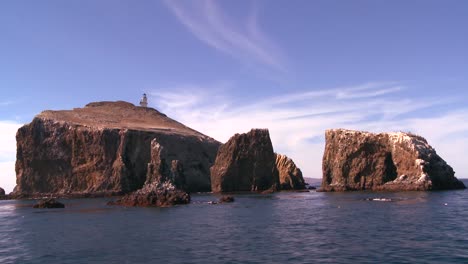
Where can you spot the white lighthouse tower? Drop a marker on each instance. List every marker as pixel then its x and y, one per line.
pixel 144 101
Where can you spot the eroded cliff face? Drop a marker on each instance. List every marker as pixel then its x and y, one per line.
pixel 245 163
pixel 109 147
pixel 355 160
pixel 290 176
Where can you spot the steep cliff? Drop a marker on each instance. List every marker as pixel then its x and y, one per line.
pixel 108 147
pixel 2 192
pixel 290 176
pixel 245 163
pixel 355 160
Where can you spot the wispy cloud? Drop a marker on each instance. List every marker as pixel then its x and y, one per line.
pixel 243 40
pixel 368 90
pixel 297 121
pixel 7 103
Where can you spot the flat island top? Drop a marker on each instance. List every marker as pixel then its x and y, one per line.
pixel 120 115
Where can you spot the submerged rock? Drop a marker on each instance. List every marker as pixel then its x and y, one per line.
pixel 155 195
pixel 290 176
pixel 245 163
pixel 226 199
pixel 49 203
pixel 109 147
pixel 355 160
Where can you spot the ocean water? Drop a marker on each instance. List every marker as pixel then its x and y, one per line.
pixel 288 227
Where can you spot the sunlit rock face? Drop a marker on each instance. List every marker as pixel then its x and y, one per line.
pixel 109 147
pixel 356 160
pixel 290 176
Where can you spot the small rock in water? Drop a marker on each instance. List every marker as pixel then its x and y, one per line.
pixel 156 194
pixel 49 203
pixel 379 199
pixel 226 199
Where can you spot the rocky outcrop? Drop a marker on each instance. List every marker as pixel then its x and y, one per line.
pixel 355 160
pixel 226 199
pixel 245 163
pixel 49 203
pixel 155 194
pixel 109 147
pixel 290 176
pixel 2 192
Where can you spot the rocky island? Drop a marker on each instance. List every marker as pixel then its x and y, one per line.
pixel 110 148
pixel 117 148
pixel 356 160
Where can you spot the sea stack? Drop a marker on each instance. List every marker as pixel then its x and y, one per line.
pixel 290 176
pixel 245 163
pixel 109 147
pixel 357 160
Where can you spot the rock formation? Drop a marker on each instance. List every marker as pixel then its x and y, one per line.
pixel 355 160
pixel 155 194
pixel 226 199
pixel 245 163
pixel 290 176
pixel 109 147
pixel 49 203
pixel 2 192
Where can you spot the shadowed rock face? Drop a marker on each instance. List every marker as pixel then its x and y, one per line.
pixel 355 160
pixel 245 163
pixel 290 176
pixel 2 191
pixel 109 147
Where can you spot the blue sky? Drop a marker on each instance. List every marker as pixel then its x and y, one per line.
pixel 221 67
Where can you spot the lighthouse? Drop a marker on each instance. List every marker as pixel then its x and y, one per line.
pixel 144 101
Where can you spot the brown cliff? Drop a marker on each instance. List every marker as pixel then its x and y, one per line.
pixel 290 176
pixel 245 163
pixel 355 160
pixel 108 147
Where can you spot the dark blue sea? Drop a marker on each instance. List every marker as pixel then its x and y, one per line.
pixel 288 227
